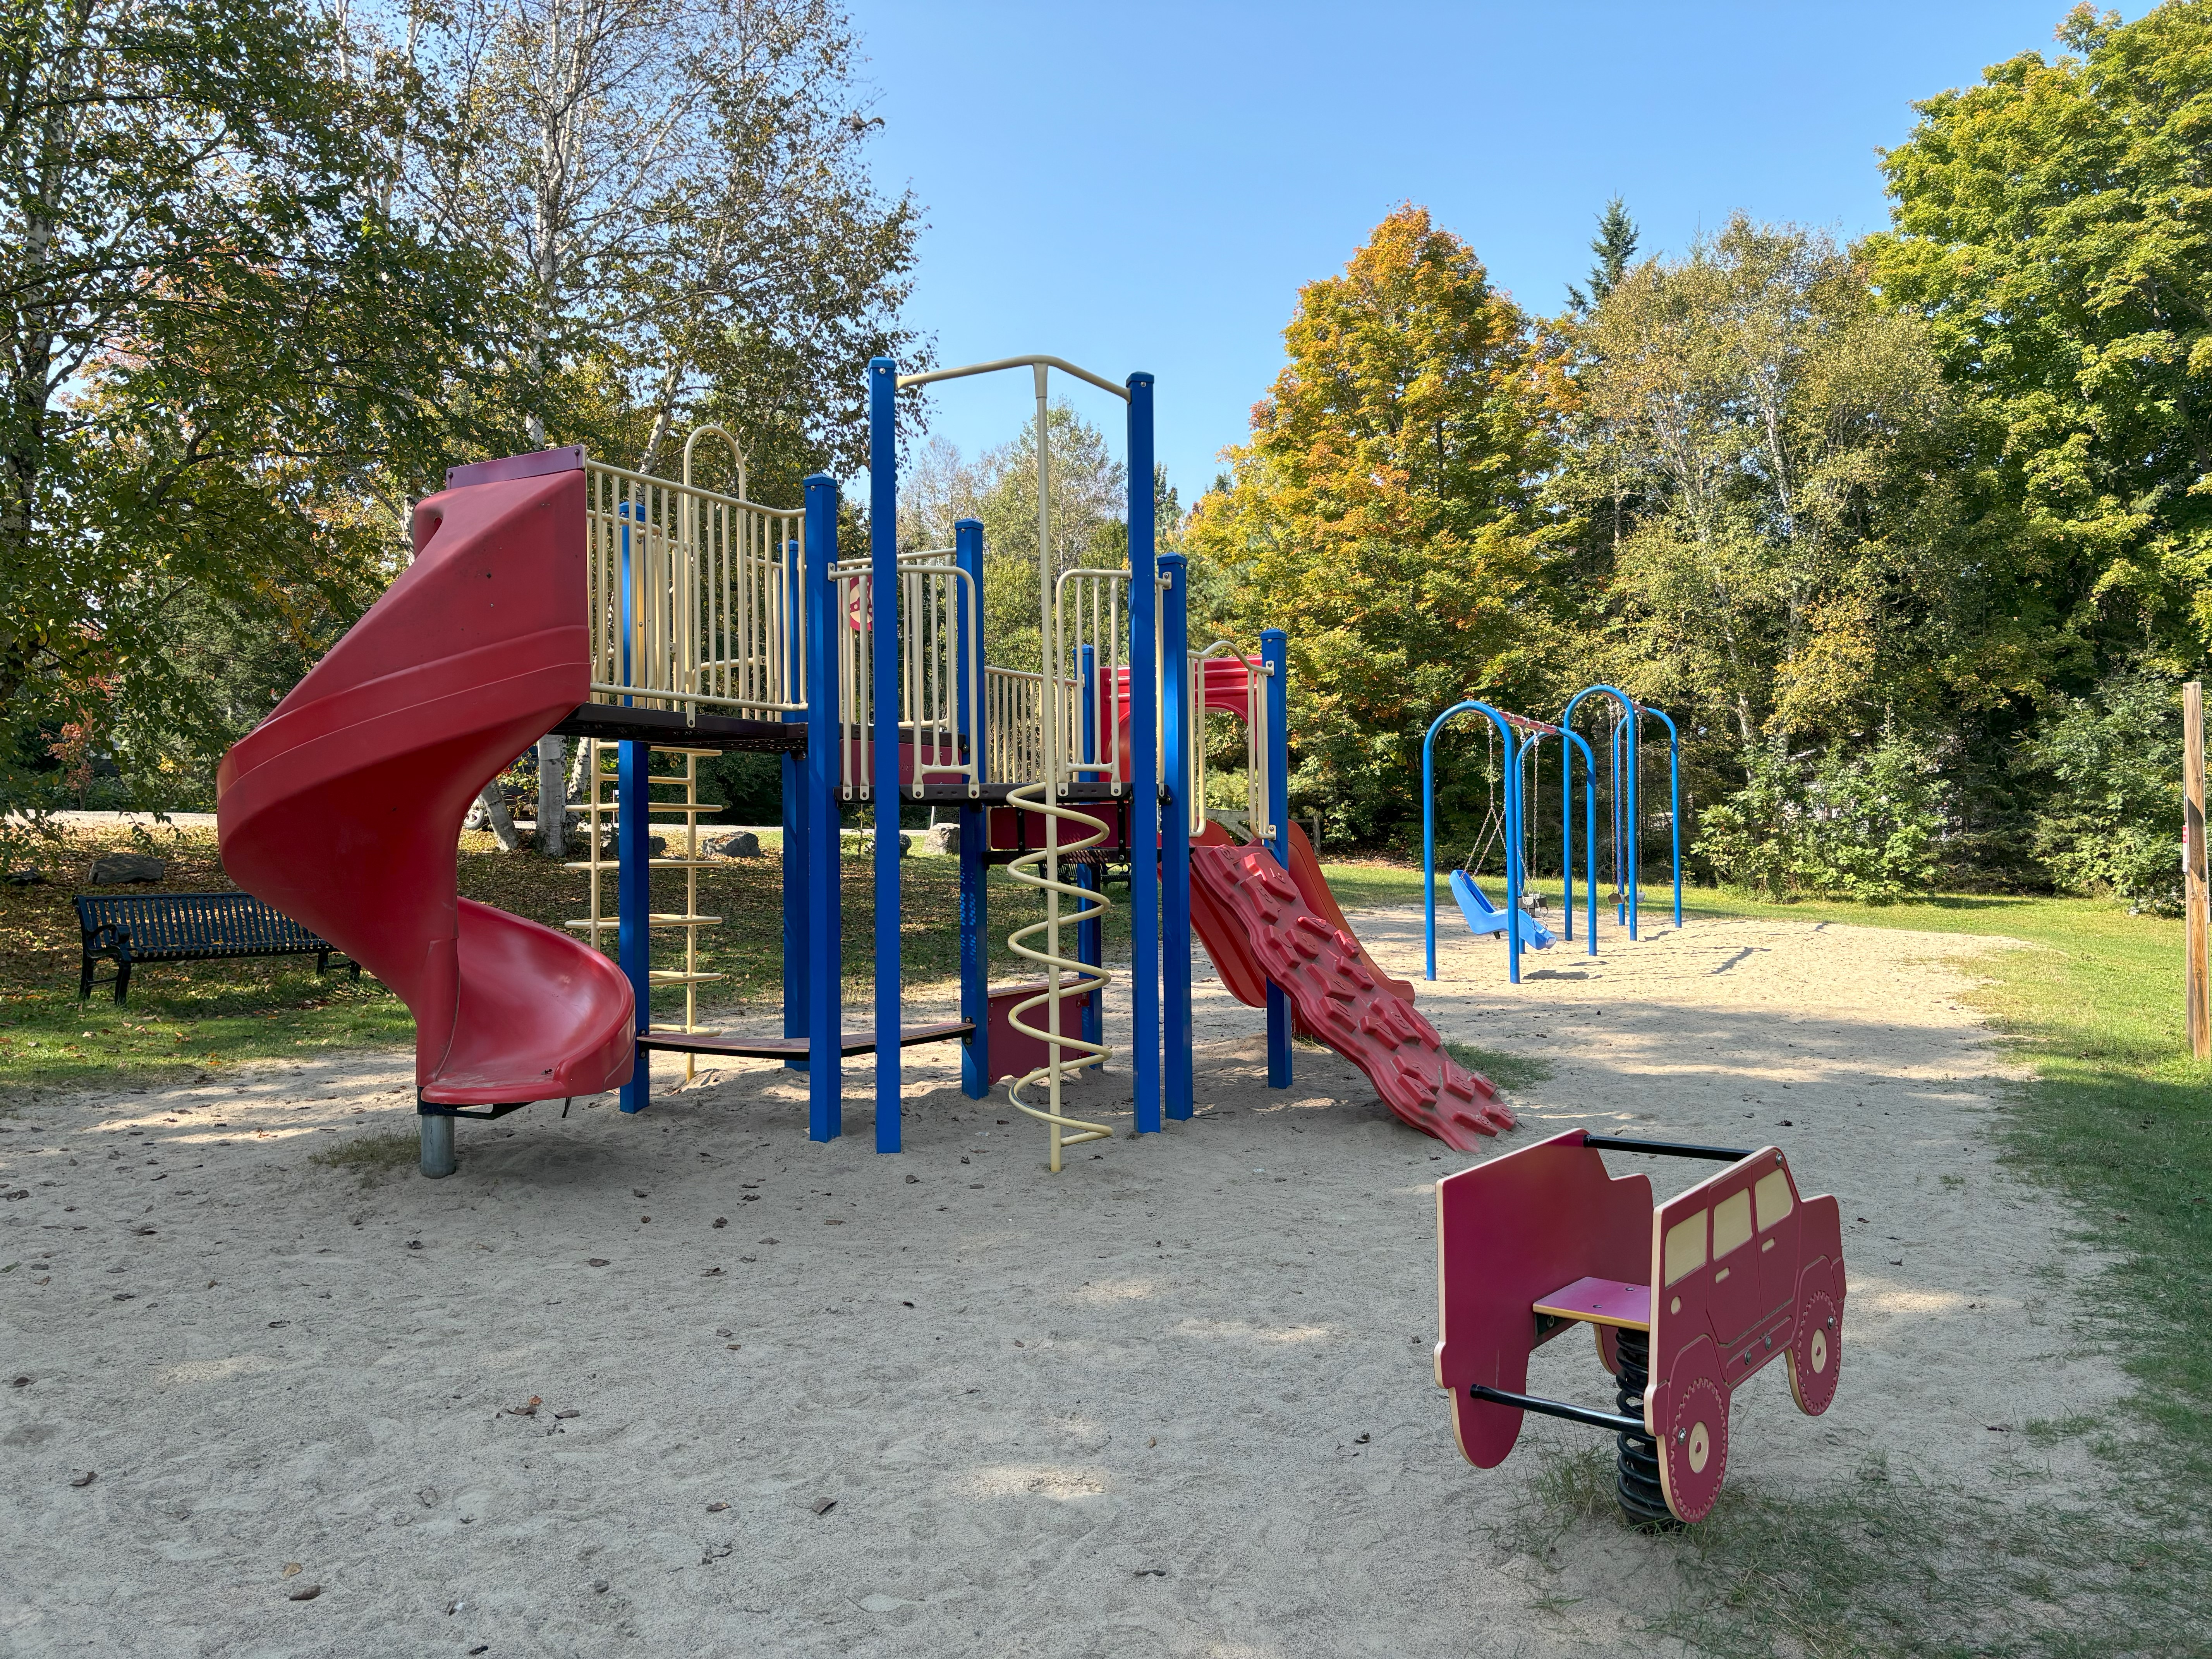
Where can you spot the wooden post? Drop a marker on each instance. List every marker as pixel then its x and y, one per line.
pixel 2193 873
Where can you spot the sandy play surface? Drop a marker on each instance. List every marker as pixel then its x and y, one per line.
pixel 1176 1400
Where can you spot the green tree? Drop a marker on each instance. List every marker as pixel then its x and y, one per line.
pixel 2050 227
pixel 1088 525
pixel 1849 823
pixel 682 188
pixel 1757 460
pixel 2111 821
pixel 1615 245
pixel 1383 511
pixel 220 346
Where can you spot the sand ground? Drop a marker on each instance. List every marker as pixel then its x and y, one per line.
pixel 1176 1400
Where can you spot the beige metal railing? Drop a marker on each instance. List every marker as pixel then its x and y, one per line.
pixel 931 594
pixel 1013 729
pixel 1087 610
pixel 1256 745
pixel 693 596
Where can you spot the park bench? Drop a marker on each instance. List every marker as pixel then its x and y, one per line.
pixel 128 929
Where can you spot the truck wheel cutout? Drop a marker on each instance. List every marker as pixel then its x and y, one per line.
pixel 1693 1455
pixel 1816 1353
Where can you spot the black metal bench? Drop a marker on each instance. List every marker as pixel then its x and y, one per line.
pixel 131 929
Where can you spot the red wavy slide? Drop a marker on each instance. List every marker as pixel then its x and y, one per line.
pixel 343 808
pixel 1259 923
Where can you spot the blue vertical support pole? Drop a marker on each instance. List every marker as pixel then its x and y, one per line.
pixel 1175 717
pixel 884 625
pixel 634 901
pixel 1633 815
pixel 974 903
pixel 1619 853
pixel 1674 804
pixel 1516 742
pixel 1090 934
pixel 1567 832
pixel 824 740
pixel 1275 655
pixel 793 768
pixel 1145 765
pixel 1569 742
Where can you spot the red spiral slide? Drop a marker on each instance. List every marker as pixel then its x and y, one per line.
pixel 343 808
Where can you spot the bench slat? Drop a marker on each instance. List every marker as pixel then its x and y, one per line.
pixel 194 926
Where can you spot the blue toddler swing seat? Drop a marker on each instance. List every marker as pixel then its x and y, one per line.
pixel 1484 917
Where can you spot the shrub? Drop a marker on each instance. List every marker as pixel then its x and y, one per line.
pixel 2111 823
pixel 1838 826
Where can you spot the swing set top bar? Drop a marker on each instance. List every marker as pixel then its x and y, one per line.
pixel 992 367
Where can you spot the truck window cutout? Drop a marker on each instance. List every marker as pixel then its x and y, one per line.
pixel 1731 1224
pixel 1774 1199
pixel 1686 1247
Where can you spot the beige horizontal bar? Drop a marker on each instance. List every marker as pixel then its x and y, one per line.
pixel 1060 363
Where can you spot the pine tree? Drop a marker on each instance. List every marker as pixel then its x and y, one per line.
pixel 1615 245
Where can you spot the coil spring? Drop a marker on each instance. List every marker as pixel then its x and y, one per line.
pixel 1042 869
pixel 1635 1480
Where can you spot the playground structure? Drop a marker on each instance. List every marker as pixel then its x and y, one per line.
pixel 1521 739
pixel 1687 1300
pixel 555 593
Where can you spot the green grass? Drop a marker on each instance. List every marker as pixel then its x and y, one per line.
pixel 1881 1564
pixel 1508 1072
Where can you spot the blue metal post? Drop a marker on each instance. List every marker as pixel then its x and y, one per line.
pixel 1589 823
pixel 1674 801
pixel 1274 652
pixel 1567 739
pixel 824 740
pixel 974 903
pixel 1144 771
pixel 1512 863
pixel 1090 934
pixel 1176 716
pixel 795 793
pixel 1620 846
pixel 634 901
pixel 1633 818
pixel 1622 875
pixel 883 584
pixel 1429 838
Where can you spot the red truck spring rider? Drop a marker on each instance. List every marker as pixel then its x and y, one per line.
pixel 1687 1299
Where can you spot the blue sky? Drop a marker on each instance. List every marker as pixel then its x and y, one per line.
pixel 1143 186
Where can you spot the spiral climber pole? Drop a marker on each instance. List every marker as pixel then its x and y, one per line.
pixel 1044 942
pixel 1067 977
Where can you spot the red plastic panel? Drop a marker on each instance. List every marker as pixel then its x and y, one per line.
pixel 1015 1053
pixel 343 808
pixel 1508 1232
pixel 1343 1004
pixel 1754 1266
pixel 1305 870
pixel 1005 827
